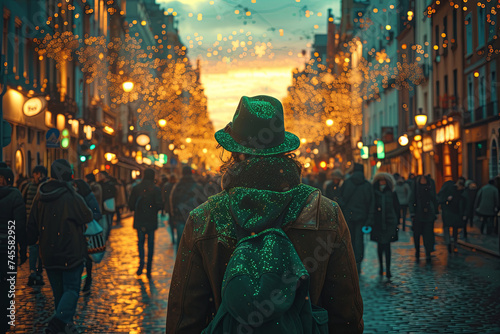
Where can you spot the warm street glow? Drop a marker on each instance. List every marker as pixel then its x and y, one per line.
pixel 128 86
pixel 188 140
pixel 360 145
pixel 329 122
pixel 403 140
pixel 109 156
pixel 162 122
pixel 420 120
pixel 417 138
pixel 109 130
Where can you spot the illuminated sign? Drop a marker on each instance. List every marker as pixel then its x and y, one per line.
pixel 428 144
pixel 447 133
pixel 380 150
pixel 365 152
pixel 33 106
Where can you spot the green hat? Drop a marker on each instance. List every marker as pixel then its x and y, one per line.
pixel 257 128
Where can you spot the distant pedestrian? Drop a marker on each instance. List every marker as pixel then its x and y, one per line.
pixel 57 222
pixel 470 193
pixel 186 195
pixel 332 190
pixel 402 190
pixel 35 261
pixel 453 205
pixel 487 206
pixel 146 201
pixel 357 203
pixel 108 199
pixel 166 190
pixel 83 189
pixel 386 218
pixel 96 189
pixel 423 207
pixel 12 246
pixel 121 198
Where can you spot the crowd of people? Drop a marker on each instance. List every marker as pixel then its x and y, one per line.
pixel 462 206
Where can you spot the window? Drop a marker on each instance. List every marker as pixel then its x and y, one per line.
pixel 481 26
pixel 26 62
pixel 455 85
pixel 470 93
pixel 482 88
pixel 17 45
pixel 445 26
pixel 446 85
pixel 492 25
pixel 5 34
pixel 438 94
pixel 493 82
pixel 455 22
pixel 468 34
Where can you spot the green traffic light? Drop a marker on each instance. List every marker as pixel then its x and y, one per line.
pixel 65 142
pixel 65 132
pixel 92 147
pixel 83 158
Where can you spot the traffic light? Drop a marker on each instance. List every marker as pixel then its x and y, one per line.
pixel 65 138
pixel 380 150
pixel 83 151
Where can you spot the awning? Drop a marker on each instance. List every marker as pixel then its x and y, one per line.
pixel 129 163
pixel 397 152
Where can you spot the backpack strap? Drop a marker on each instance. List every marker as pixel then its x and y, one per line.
pixel 242 232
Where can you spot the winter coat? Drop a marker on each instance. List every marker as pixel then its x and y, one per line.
pixel 57 221
pixel 333 191
pixel 453 205
pixel 108 191
pixel 84 190
pixel 356 200
pixel 12 208
pixel 312 223
pixel 487 201
pixel 470 195
pixel 402 190
pixel 29 194
pixel 166 190
pixel 423 202
pixel 97 191
pixel 385 219
pixel 145 201
pixel 186 195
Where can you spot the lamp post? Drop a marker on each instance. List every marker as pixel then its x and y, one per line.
pixel 127 86
pixel 420 121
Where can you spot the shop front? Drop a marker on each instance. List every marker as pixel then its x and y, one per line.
pixel 476 147
pixel 494 149
pixel 447 151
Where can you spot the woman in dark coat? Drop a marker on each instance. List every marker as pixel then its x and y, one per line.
pixel 453 204
pixel 386 218
pixel 470 194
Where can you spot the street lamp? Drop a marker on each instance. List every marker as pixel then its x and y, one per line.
pixel 188 140
pixel 360 144
pixel 421 120
pixel 162 122
pixel 329 122
pixel 403 140
pixel 128 86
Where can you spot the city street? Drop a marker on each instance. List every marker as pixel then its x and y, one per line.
pixel 456 294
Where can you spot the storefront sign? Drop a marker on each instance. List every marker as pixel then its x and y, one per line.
pixel 33 107
pixel 428 144
pixel 447 133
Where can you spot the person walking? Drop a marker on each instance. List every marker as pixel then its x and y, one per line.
pixel 57 222
pixel 30 191
pixel 487 206
pixel 121 199
pixel 186 195
pixel 84 190
pixel 145 200
pixel 262 184
pixel 386 218
pixel 423 207
pixel 356 201
pixel 166 190
pixel 470 194
pixel 96 189
pixel 402 190
pixel 332 190
pixel 453 205
pixel 12 245
pixel 108 200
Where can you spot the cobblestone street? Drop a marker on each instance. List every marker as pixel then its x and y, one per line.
pixel 456 294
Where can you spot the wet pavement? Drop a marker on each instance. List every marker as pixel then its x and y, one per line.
pixel 457 293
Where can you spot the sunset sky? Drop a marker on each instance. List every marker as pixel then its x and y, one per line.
pixel 247 47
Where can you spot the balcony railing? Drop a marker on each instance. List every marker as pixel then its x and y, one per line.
pixel 479 113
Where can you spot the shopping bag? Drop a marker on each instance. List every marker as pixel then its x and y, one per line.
pixel 96 241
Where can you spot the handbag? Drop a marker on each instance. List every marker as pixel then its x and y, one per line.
pixel 109 204
pixel 96 242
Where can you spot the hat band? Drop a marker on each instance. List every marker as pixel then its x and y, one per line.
pixel 264 140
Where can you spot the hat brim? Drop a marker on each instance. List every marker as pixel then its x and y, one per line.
pixel 291 143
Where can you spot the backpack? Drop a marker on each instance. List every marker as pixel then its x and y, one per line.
pixel 266 287
pixel 96 242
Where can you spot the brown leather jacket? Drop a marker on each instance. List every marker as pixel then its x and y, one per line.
pixel 320 236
